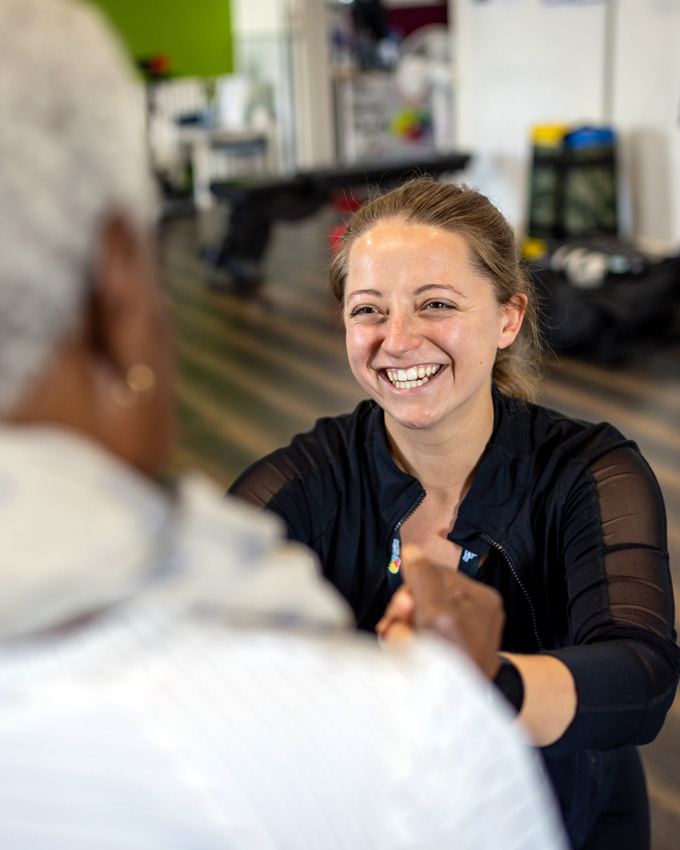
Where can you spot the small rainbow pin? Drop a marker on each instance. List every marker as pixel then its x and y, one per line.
pixel 395 561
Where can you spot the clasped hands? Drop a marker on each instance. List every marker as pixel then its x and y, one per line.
pixel 438 599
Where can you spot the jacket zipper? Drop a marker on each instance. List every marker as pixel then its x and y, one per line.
pixel 382 577
pixel 519 581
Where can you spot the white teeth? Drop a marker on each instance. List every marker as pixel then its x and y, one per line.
pixel 409 385
pixel 414 376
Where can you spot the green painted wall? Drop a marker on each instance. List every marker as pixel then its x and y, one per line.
pixel 195 34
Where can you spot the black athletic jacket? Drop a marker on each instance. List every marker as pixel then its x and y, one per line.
pixel 574 527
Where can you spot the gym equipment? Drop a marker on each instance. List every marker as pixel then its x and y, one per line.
pixel 257 202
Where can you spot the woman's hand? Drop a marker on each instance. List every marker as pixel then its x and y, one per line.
pixel 439 599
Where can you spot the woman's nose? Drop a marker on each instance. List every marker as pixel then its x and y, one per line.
pixel 400 336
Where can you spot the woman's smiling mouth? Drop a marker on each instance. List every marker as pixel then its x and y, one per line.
pixel 414 376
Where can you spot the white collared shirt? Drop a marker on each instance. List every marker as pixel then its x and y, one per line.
pixel 173 675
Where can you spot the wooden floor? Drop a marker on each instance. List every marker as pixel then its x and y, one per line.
pixel 254 371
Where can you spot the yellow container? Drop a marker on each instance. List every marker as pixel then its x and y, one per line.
pixel 549 135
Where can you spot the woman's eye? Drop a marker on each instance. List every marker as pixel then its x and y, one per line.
pixel 362 311
pixel 438 305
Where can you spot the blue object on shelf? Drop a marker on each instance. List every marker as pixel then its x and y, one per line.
pixel 589 137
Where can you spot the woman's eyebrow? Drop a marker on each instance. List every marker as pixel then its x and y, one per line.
pixel 374 292
pixel 439 286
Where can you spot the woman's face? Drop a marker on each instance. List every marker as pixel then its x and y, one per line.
pixel 422 325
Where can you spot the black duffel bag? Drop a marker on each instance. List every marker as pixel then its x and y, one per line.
pixel 605 300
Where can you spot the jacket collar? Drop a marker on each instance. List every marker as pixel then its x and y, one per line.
pixel 494 499
pixel 400 492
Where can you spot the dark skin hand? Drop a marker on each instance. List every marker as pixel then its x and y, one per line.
pixel 471 615
pixel 439 599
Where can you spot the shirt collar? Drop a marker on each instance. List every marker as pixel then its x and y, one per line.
pixel 494 498
pixel 83 531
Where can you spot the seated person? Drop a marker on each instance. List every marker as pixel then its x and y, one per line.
pixel 564 518
pixel 173 673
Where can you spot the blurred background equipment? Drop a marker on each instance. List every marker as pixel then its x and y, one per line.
pixel 605 301
pixel 601 298
pixel 574 179
pixel 205 129
pixel 255 204
pixel 393 81
pixel 425 78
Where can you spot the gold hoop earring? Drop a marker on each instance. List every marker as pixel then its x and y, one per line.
pixel 139 387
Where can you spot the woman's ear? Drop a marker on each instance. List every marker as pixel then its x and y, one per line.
pixel 513 315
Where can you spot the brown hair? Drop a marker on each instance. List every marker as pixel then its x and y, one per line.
pixel 494 253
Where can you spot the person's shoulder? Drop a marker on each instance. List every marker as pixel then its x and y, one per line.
pixel 422 708
pixel 537 429
pixel 356 747
pixel 308 453
pixel 385 692
pixel 335 434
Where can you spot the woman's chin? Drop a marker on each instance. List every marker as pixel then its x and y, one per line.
pixel 413 420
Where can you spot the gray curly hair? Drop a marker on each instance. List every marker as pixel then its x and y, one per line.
pixel 72 151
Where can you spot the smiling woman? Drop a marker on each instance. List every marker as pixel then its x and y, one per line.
pixel 415 303
pixel 485 244
pixel 564 518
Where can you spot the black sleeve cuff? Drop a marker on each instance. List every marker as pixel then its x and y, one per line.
pixel 509 682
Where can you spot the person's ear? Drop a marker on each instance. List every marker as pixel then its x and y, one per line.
pixel 513 315
pixel 130 357
pixel 116 294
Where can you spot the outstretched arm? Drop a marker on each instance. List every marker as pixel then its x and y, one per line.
pixel 614 685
